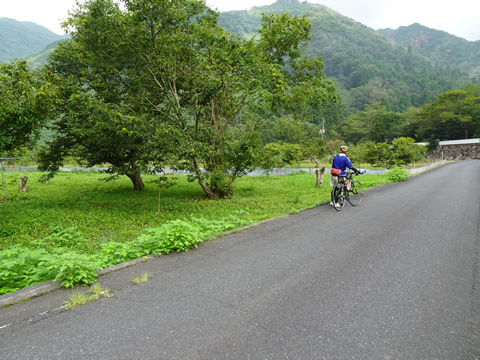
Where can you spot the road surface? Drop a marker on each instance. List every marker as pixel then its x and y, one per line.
pixel 395 278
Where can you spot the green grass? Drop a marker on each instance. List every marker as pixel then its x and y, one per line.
pixel 76 224
pixel 78 297
pixel 141 279
pixel 82 205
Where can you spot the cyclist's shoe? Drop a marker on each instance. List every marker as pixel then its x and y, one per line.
pixel 331 203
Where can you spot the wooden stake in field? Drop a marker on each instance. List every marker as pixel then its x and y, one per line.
pixel 3 183
pixel 164 181
pixel 159 191
pixel 320 174
pixel 23 184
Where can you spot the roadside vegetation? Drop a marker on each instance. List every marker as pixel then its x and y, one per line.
pixel 151 86
pixel 79 297
pixel 75 224
pixel 141 279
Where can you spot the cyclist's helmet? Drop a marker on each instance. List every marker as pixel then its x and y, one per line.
pixel 343 148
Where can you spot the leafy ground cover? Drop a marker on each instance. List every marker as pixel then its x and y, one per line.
pixel 76 224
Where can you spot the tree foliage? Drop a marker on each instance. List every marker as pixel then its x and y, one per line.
pixel 441 47
pixel 95 132
pixel 26 98
pixel 279 154
pixel 402 151
pixel 454 115
pixel 169 69
pixel 367 67
pixel 375 124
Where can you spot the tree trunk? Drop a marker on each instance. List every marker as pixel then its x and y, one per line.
pixel 208 191
pixel 137 181
pixel 320 174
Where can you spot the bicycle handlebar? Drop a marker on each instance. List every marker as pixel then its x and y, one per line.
pixel 349 175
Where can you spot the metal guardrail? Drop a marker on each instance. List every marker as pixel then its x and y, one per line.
pixel 426 167
pixel 453 142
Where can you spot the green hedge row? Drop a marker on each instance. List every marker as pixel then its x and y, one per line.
pixel 51 259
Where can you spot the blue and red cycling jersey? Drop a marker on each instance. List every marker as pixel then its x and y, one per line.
pixel 341 162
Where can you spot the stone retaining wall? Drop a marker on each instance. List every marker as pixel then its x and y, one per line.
pixel 456 152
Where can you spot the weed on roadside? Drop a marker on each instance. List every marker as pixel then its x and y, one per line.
pixel 141 279
pixel 78 297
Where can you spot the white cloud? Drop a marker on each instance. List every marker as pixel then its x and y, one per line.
pixel 460 18
pixel 229 5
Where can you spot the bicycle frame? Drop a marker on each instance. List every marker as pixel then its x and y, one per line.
pixel 341 191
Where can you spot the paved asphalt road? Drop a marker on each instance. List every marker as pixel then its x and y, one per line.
pixel 395 278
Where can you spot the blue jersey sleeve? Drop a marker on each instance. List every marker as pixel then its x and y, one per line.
pixel 348 163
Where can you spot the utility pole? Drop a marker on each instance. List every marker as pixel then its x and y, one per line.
pixel 322 130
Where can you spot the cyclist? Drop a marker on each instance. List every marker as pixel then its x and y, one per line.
pixel 339 164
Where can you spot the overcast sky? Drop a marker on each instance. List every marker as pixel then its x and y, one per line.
pixel 459 17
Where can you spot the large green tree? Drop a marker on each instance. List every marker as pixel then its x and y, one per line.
pixel 168 65
pixel 95 133
pixel 454 115
pixel 375 124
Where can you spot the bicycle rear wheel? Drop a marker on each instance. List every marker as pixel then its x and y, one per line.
pixel 355 193
pixel 338 197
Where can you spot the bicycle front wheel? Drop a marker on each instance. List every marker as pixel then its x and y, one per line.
pixel 355 193
pixel 338 197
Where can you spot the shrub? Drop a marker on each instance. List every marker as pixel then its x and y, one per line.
pixel 70 238
pixel 209 228
pixel 397 174
pixel 21 267
pixel 377 154
pixel 175 236
pixel 402 152
pixel 405 151
pixel 113 253
pixel 280 154
pixel 73 268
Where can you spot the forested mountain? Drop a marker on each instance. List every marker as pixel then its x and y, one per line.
pixel 23 39
pixel 439 46
pixel 396 69
pixel 365 65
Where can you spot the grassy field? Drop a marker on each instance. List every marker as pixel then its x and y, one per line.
pixel 77 224
pixel 104 211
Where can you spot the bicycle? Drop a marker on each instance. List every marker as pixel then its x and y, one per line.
pixel 347 189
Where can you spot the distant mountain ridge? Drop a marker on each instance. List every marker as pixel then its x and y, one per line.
pixel 394 67
pixel 365 65
pixel 439 46
pixel 23 39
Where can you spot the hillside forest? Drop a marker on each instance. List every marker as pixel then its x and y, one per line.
pixel 142 88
